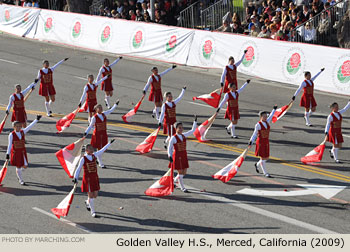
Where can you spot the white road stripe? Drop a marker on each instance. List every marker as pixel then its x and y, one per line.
pixel 8 61
pixel 81 78
pixel 346 136
pixel 203 105
pixel 263 212
pixel 68 222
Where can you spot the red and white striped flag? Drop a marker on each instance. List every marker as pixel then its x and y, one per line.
pixel 3 123
pixel 315 155
pixel 63 207
pixel 280 112
pixel 70 155
pixel 3 171
pixel 211 99
pixel 83 108
pixel 127 117
pixel 65 122
pixel 201 132
pixel 230 170
pixel 164 186
pixel 147 145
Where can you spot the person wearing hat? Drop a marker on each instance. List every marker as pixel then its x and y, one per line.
pixel 17 147
pixel 177 152
pixel 333 129
pixel 168 114
pixel 47 89
pixel 155 81
pixel 99 122
pixel 17 100
pixel 229 73
pixel 262 134
pixel 90 182
pixel 307 99
pixel 90 94
pixel 107 86
pixel 232 111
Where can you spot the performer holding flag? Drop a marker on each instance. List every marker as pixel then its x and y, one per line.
pixel 229 73
pixel 90 94
pixel 232 111
pixel 99 122
pixel 333 129
pixel 307 99
pixel 16 147
pixel 177 152
pixel 262 132
pixel 107 85
pixel 155 81
pixel 168 114
pixel 47 88
pixel 17 99
pixel 90 182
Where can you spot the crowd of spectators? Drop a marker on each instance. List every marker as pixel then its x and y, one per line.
pixel 276 19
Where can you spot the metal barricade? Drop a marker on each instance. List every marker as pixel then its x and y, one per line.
pixel 211 17
pixel 190 17
pixel 95 7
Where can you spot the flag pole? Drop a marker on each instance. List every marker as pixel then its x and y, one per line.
pixel 27 95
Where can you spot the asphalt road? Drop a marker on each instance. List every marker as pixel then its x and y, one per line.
pixel 212 207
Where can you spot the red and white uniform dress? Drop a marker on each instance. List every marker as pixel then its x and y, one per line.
pixel 262 134
pixel 177 149
pixel 104 71
pixel 168 115
pixel 333 126
pixel 155 81
pixel 229 75
pixel 307 99
pixel 89 93
pixel 232 110
pixel 19 113
pixel 46 81
pixel 99 122
pixel 16 146
pixel 90 182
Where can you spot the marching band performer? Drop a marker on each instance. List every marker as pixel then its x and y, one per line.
pixel 107 85
pixel 262 134
pixel 155 81
pixel 307 99
pixel 232 111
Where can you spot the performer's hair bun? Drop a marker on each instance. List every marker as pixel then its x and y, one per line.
pixel 17 85
pixel 306 73
pixel 261 113
pixel 231 58
pixel 15 123
pixel 166 94
pixel 154 68
pixel 45 61
pixel 90 76
pixel 177 124
pixel 333 105
pixel 97 105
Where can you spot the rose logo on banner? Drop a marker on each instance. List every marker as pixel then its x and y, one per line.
pixel 341 73
pixel 249 57
pixel 171 44
pixel 207 49
pixel 76 29
pixel 7 15
pixel 344 72
pixel 106 34
pixel 26 17
pixel 294 64
pixel 48 24
pixel 137 40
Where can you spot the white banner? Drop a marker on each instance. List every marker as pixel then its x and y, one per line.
pixel 19 21
pixel 274 60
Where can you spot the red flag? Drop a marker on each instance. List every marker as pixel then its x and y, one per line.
pixel 83 108
pixel 315 155
pixel 211 99
pixel 280 112
pixel 147 145
pixel 126 118
pixel 164 186
pixel 3 171
pixel 63 207
pixel 230 170
pixel 203 129
pixel 65 122
pixel 3 123
pixel 70 155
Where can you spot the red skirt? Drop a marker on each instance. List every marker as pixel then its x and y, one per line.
pixel 306 100
pixel 156 96
pixel 90 105
pixel 226 89
pixel 19 116
pixel 90 183
pixel 232 114
pixel 262 149
pixel 46 90
pixel 179 163
pixel 166 129
pixel 98 140
pixel 332 136
pixel 17 158
pixel 107 86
